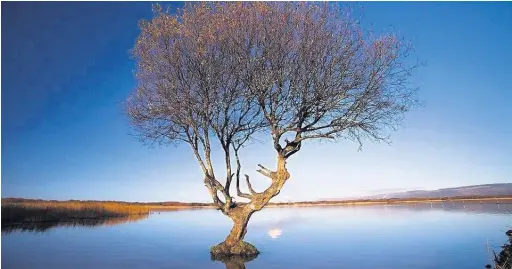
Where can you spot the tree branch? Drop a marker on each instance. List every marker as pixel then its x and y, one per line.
pixel 240 193
pixel 265 173
pixel 249 185
pixel 213 193
pixel 264 168
pixel 229 175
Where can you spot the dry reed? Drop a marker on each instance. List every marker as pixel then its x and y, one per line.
pixel 19 211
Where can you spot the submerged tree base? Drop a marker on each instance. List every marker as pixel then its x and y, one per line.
pixel 241 249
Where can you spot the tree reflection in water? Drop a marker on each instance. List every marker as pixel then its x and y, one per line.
pixel 235 262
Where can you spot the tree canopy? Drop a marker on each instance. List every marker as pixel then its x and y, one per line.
pixel 298 71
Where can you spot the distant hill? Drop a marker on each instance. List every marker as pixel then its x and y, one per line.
pixel 499 189
pixel 480 191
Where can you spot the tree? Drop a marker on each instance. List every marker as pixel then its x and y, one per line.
pixel 294 71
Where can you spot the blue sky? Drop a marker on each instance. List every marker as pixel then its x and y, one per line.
pixel 66 69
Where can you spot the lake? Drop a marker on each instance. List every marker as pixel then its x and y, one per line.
pixel 447 235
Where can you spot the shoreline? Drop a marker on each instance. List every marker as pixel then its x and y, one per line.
pixel 486 200
pixel 18 210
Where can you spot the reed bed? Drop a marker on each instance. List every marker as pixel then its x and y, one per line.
pixel 61 211
pixel 503 260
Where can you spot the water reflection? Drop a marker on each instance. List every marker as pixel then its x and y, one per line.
pixel 275 233
pixel 236 262
pixel 331 237
pixel 43 226
pixel 473 207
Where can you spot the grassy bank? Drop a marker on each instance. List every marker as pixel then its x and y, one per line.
pixel 17 210
pixel 24 210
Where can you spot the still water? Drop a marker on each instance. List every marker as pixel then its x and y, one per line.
pixel 449 235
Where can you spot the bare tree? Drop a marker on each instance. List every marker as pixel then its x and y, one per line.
pixel 226 71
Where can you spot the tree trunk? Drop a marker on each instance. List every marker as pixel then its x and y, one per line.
pixel 239 228
pixel 234 245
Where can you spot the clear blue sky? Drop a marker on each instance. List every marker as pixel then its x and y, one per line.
pixel 66 69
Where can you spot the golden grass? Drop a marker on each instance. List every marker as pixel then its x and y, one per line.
pixel 19 211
